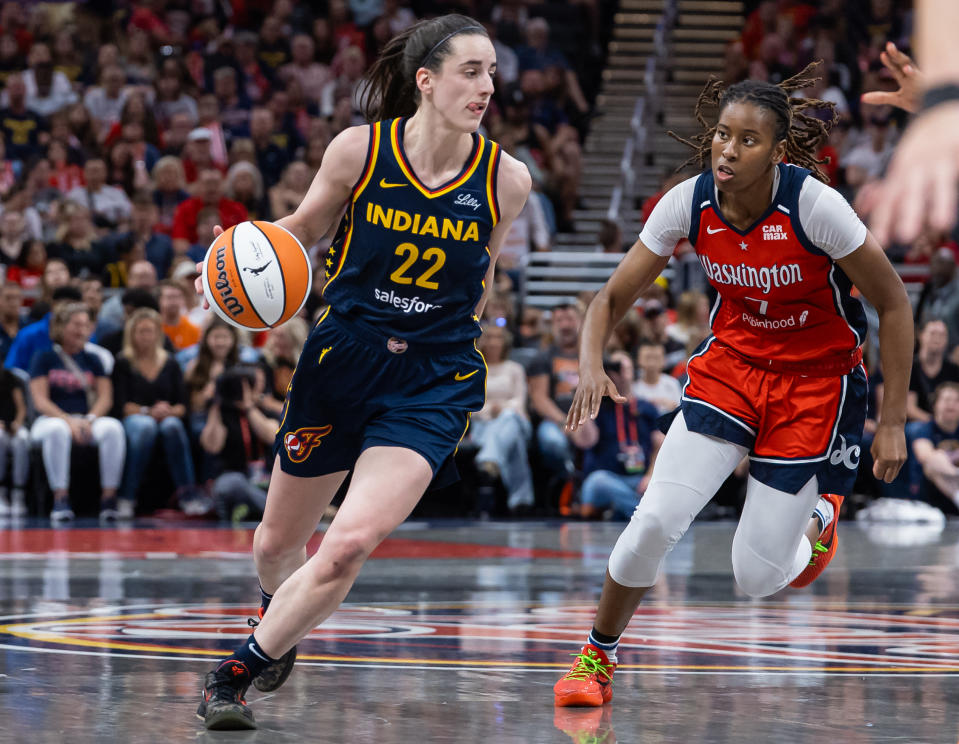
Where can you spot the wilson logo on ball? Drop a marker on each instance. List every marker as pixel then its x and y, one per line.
pixel 256 275
pixel 300 443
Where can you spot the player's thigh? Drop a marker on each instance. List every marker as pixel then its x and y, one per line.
pixel 387 484
pixel 294 507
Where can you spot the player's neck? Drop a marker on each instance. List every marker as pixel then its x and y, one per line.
pixel 742 208
pixel 433 148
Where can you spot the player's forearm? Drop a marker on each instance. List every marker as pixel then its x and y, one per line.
pixel 895 351
pixel 936 24
pixel 597 327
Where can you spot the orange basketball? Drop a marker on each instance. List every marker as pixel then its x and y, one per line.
pixel 256 275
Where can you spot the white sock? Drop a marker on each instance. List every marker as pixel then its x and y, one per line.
pixel 824 512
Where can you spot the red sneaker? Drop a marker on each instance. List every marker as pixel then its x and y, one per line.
pixel 589 682
pixel 825 547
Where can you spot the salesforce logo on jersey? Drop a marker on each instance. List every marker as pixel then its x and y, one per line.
pixel 743 275
pixel 406 304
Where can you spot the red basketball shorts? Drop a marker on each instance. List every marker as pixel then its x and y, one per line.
pixel 795 426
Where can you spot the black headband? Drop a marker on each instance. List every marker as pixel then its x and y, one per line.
pixel 447 38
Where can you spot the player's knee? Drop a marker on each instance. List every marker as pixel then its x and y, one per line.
pixel 270 545
pixel 345 553
pixel 756 576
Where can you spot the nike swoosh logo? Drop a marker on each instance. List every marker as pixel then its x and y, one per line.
pixel 250 646
pixel 458 376
pixel 384 184
pixel 713 232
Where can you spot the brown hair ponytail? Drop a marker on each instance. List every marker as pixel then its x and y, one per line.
pixel 389 88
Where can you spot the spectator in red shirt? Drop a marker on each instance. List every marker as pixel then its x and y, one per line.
pixel 209 193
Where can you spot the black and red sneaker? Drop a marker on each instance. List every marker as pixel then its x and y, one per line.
pixel 223 707
pixel 276 673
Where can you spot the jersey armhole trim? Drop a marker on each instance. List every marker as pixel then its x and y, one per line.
pixel 372 150
pixel 492 182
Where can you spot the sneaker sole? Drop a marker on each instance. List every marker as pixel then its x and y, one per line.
pixel 578 700
pixel 227 720
pixel 269 680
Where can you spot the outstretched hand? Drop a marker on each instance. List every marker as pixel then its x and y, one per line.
pixel 908 76
pixel 589 394
pixel 198 282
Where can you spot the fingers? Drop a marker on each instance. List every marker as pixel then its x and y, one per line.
pixel 911 205
pixel 886 469
pixel 881 98
pixel 573 416
pixel 217 230
pixel 613 393
pixel 942 210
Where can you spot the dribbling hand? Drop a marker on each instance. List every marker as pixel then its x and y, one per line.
pixel 198 282
pixel 589 394
pixel 888 452
pixel 907 75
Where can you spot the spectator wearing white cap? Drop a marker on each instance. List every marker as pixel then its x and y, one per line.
pixel 198 155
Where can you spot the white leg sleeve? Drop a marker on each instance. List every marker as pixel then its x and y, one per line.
pixel 111 446
pixel 54 437
pixel 689 470
pixel 769 548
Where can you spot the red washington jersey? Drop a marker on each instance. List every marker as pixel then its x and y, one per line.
pixel 781 294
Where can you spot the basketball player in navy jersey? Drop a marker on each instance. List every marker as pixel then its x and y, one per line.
pixel 780 378
pixel 387 380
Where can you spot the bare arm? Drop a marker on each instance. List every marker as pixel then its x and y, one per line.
pixel 213 436
pixel 342 166
pixel 104 397
pixel 871 272
pixel 913 411
pixel 936 24
pixel 638 269
pixel 263 426
pixel 40 390
pixel 512 192
pixel 20 404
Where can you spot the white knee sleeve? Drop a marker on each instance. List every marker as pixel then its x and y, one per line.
pixel 688 471
pixel 769 548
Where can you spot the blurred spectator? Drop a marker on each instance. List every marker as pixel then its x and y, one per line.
pixel 940 295
pixel 110 205
pixel 13 232
pixel 139 59
pixel 84 130
pixel 501 428
pixel 287 195
pixel 610 237
pixel 310 74
pixel 176 325
pixel 11 320
pixel 104 102
pixel 198 155
pixel 169 191
pixel 156 247
pixel 935 448
pixel 552 381
pixel 254 82
pixel 150 399
pixel 345 31
pixel 206 220
pixel 282 349
pixel 234 110
pixel 529 330
pixel 176 134
pixel 48 91
pixel 131 300
pixel 91 292
pixel 652 384
pixel 620 448
pixel 348 68
pixel 65 175
pixel 237 435
pixel 286 134
pixel 529 232
pixel 208 118
pixel 10 60
pixel 219 350
pixel 692 319
pixel 73 395
pixel 28 270
pixel 171 99
pixel 270 158
pixel 244 185
pixel 56 274
pixel 538 54
pixel 209 193
pixel 24 131
pixel 140 275
pixel 14 443
pixel 656 322
pixel 10 170
pixel 930 369
pixel 273 50
pixel 75 241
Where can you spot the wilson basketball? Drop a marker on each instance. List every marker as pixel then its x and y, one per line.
pixel 256 275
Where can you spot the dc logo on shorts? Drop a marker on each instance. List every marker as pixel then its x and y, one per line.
pixel 300 443
pixel 845 454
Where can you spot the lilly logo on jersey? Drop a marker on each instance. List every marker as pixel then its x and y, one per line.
pixel 845 454
pixel 465 200
pixel 774 232
pixel 743 275
pixel 418 224
pixel 300 443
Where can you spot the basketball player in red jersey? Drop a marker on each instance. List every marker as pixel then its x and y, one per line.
pixel 780 379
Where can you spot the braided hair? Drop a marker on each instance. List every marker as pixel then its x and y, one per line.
pixel 804 134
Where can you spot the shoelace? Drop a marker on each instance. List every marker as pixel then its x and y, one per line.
pixel 586 665
pixel 817 548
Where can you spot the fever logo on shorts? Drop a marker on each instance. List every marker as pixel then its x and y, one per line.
pixel 300 443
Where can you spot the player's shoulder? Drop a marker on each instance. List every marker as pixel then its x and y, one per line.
pixel 351 141
pixel 515 181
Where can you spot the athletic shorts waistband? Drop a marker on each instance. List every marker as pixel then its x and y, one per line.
pixel 836 365
pixel 395 343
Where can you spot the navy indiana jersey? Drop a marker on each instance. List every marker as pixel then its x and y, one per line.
pixel 411 260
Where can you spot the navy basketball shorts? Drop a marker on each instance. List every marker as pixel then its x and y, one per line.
pixel 355 388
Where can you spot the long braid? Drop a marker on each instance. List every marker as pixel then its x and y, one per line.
pixel 804 134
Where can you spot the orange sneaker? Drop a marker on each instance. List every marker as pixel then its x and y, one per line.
pixel 825 547
pixel 589 682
